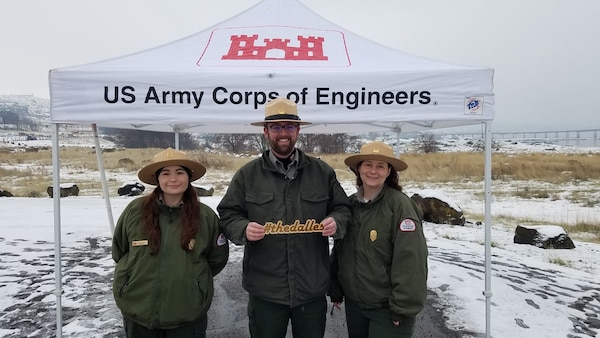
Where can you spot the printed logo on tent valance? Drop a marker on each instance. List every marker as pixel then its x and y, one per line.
pixel 280 46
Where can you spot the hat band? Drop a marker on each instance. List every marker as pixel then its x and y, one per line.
pixel 282 117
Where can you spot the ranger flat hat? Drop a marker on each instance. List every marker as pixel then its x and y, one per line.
pixel 281 110
pixel 377 151
pixel 169 157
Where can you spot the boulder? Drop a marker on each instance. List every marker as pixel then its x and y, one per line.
pixel 4 193
pixel 67 189
pixel 204 192
pixel 131 189
pixel 437 208
pixel 543 236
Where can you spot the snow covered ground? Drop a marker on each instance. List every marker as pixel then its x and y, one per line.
pixel 535 292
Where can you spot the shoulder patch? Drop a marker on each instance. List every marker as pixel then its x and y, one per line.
pixel 407 225
pixel 221 240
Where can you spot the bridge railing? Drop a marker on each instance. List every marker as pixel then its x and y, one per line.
pixel 582 137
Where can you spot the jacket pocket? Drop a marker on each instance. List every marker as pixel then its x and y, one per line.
pixel 260 205
pixel 185 299
pixel 124 283
pixel 314 204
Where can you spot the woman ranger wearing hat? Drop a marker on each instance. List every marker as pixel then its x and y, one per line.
pixel 168 247
pixel 381 263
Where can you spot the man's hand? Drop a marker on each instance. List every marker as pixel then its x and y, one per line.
pixel 254 232
pixel 329 226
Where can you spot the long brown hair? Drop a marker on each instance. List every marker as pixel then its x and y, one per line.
pixel 392 180
pixel 190 218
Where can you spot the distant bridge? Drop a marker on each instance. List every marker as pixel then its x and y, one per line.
pixel 582 137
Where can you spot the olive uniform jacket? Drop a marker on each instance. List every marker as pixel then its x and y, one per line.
pixel 284 268
pixel 382 260
pixel 174 287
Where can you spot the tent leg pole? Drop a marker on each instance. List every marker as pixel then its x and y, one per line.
pixel 488 227
pixel 111 221
pixel 57 231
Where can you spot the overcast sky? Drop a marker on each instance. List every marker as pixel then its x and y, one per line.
pixel 545 53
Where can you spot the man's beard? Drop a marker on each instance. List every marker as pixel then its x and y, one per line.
pixel 282 150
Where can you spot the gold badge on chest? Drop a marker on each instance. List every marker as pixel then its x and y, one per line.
pixel 373 235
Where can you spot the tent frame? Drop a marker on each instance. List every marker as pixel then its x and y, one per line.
pixel 57 217
pixel 302 55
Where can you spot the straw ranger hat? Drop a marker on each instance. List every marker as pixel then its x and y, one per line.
pixel 377 151
pixel 167 158
pixel 280 110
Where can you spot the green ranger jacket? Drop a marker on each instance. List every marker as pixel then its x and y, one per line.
pixel 174 287
pixel 289 269
pixel 382 260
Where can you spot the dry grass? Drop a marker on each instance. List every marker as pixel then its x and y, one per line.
pixel 427 168
pixel 28 174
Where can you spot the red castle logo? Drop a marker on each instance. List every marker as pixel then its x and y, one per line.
pixel 243 48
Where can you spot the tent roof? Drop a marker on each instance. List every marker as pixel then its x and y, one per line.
pixel 218 79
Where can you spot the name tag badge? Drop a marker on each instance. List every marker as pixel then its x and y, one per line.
pixel 143 242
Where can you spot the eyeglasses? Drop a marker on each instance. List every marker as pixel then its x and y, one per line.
pixel 277 128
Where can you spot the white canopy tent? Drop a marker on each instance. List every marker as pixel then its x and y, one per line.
pixel 217 80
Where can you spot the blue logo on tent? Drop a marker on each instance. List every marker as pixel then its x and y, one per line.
pixel 473 104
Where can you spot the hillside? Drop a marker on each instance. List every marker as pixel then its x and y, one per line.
pixel 29 107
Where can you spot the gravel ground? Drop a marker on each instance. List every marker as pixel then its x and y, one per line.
pixel 227 317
